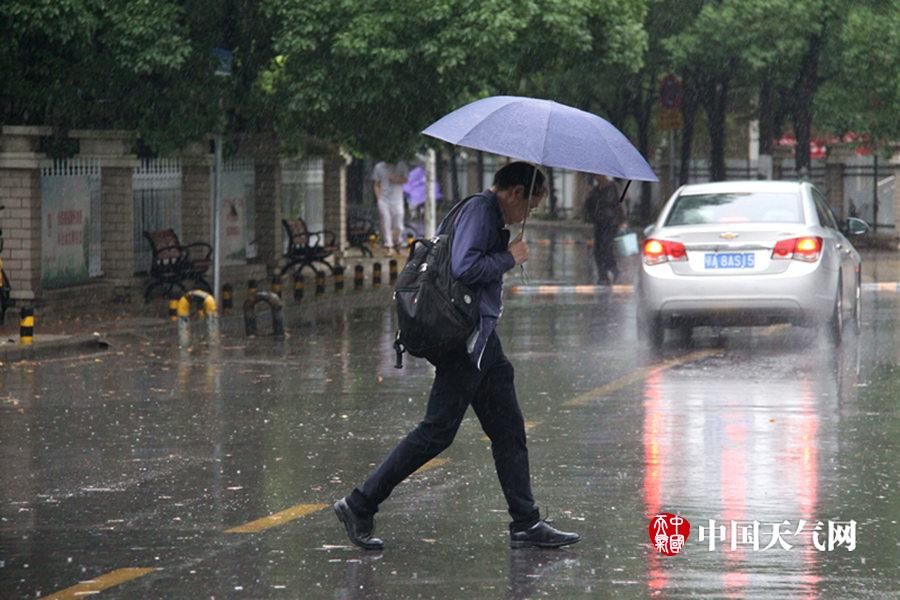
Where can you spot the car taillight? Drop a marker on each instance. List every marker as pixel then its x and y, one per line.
pixel 806 249
pixel 660 251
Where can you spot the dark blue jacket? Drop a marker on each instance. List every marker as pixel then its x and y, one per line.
pixel 479 258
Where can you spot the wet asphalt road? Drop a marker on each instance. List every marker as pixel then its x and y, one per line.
pixel 210 473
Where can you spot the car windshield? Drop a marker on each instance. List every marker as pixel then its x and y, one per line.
pixel 756 207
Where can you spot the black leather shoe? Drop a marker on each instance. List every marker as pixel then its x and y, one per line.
pixel 358 530
pixel 541 535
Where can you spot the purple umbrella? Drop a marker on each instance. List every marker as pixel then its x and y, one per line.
pixel 416 188
pixel 545 133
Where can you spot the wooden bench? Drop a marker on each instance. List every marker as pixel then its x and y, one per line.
pixel 307 248
pixel 173 263
pixel 359 231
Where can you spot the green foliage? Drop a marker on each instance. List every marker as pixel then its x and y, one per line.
pixel 862 92
pixel 371 77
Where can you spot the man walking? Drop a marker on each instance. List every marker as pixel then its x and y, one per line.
pixel 387 181
pixel 479 375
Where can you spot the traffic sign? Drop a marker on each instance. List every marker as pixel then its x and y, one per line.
pixel 670 92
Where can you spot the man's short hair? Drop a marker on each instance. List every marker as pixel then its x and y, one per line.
pixel 520 173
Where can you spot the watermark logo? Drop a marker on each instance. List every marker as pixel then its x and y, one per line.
pixel 668 533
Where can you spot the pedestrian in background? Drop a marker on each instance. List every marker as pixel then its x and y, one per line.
pixel 479 374
pixel 603 209
pixel 388 179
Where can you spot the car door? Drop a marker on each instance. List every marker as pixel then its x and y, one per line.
pixel 843 249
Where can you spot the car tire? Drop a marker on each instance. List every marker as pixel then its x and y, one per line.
pixel 651 330
pixel 835 325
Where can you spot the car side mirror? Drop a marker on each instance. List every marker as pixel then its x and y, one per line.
pixel 854 227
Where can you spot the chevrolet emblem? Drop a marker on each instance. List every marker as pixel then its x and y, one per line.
pixel 728 235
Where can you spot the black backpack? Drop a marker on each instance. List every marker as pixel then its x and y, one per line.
pixel 436 314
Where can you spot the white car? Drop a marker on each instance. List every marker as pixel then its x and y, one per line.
pixel 748 253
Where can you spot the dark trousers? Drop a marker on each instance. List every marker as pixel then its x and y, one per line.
pixel 604 256
pixel 492 394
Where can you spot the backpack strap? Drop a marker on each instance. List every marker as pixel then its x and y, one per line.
pixel 450 218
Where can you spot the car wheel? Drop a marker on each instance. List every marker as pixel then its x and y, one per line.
pixel 835 325
pixel 857 306
pixel 650 328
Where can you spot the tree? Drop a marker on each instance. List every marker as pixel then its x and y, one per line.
pixel 96 63
pixel 371 78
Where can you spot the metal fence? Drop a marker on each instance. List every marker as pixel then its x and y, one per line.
pixel 869 191
pixel 157 204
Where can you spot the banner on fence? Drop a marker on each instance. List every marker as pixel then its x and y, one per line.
pixel 66 215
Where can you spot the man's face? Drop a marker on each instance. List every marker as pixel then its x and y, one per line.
pixel 519 206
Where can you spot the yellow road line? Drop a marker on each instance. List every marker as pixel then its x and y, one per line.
pixel 432 464
pixel 289 514
pixel 301 510
pixel 98 584
pixel 634 377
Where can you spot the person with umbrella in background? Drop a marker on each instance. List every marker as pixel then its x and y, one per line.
pixel 480 375
pixel 603 209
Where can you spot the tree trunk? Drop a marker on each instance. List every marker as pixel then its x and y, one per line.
pixel 766 116
pixel 454 174
pixel 804 91
pixel 716 103
pixel 690 104
pixel 551 185
pixel 479 168
pixel 643 116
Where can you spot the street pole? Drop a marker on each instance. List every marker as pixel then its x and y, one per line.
pixel 217 218
pixel 430 176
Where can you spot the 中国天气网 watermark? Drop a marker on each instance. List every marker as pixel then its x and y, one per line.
pixel 669 533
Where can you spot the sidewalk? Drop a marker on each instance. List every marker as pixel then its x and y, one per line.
pixel 96 328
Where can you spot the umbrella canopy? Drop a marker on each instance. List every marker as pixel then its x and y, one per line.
pixel 545 133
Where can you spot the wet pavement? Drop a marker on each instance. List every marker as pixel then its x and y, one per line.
pixel 154 472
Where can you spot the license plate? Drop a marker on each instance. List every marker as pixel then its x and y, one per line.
pixel 729 260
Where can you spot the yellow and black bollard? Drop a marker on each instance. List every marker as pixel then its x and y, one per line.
pixel 173 307
pixel 376 275
pixel 320 283
pixel 392 270
pixel 276 285
pixel 208 311
pixel 251 287
pixel 298 286
pixel 26 326
pixel 339 278
pixel 373 241
pixel 359 277
pixel 227 299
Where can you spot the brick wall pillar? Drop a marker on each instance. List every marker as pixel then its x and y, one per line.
pixel 335 198
pixel 838 155
pixel 20 192
pixel 196 194
pixel 112 149
pixel 267 192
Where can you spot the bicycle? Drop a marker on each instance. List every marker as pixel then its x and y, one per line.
pixel 6 300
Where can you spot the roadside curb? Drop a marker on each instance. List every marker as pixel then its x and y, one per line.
pixel 53 348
